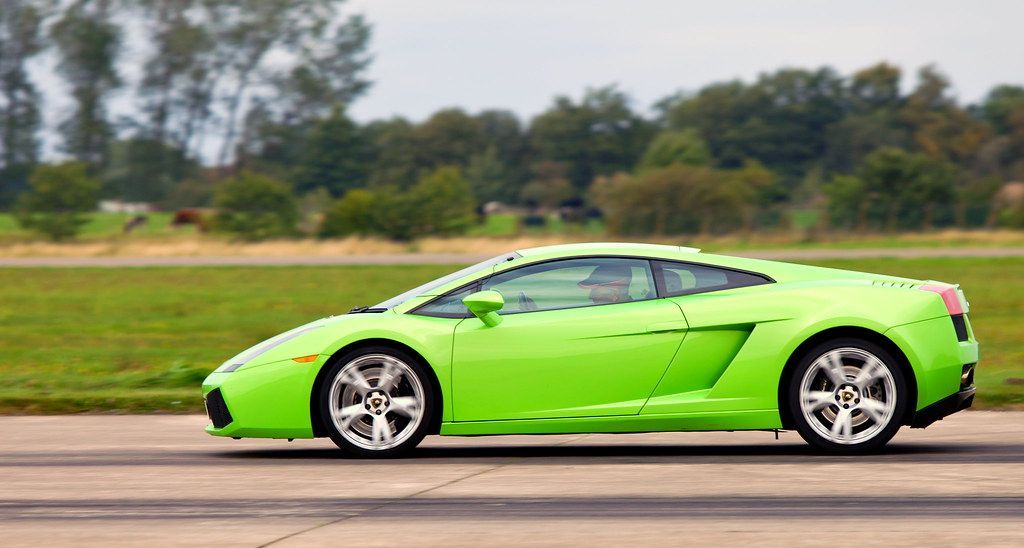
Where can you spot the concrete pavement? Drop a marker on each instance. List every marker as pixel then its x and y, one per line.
pixel 130 480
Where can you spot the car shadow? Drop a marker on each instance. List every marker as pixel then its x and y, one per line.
pixel 780 453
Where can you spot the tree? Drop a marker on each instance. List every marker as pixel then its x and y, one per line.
pixel 334 157
pixel 716 112
pixel 145 170
pixel 549 187
pixel 1000 105
pixel 939 127
pixel 600 135
pixel 779 120
pixel 503 133
pixel 393 147
pixel 255 207
pixel 450 137
pixel 489 177
pixel 20 40
pixel 329 72
pixel 793 108
pixel 876 87
pixel 906 190
pixel 848 202
pixel 873 103
pixel 676 147
pixel 320 66
pixel 861 133
pixel 88 41
pixel 171 88
pixel 488 147
pixel 57 198
pixel 1001 155
pixel 444 201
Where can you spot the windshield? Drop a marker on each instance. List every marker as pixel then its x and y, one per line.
pixel 426 288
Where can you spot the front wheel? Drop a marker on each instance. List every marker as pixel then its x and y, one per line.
pixel 376 402
pixel 847 396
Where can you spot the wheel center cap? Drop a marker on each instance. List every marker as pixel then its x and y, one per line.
pixel 848 395
pixel 376 400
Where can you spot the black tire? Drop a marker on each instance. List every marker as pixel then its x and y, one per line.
pixel 874 434
pixel 350 441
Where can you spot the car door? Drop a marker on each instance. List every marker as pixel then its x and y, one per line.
pixel 570 343
pixel 721 322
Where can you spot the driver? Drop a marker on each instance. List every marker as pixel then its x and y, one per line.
pixel 609 284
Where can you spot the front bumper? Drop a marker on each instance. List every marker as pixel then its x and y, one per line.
pixel 267 401
pixel 943 408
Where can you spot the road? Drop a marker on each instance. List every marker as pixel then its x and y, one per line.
pixel 158 480
pixel 462 258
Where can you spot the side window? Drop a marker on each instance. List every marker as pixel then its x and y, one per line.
pixel 448 306
pixel 684 279
pixel 573 283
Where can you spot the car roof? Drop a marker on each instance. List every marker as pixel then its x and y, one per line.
pixel 779 271
pixel 605 248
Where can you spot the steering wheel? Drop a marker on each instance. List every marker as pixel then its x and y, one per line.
pixel 526 303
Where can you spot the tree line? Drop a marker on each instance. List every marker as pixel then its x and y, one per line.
pixel 244 102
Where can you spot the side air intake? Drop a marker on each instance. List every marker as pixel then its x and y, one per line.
pixel 217 409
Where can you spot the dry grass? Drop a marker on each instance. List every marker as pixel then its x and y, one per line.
pixel 191 245
pixel 196 246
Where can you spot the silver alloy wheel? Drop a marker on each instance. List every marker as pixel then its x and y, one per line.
pixel 376 402
pixel 848 395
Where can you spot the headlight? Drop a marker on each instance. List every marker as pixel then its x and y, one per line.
pixel 263 347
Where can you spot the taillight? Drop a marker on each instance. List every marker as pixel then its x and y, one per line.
pixel 949 296
pixel 954 305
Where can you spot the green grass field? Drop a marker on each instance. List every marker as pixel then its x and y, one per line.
pixel 503 225
pixel 139 340
pixel 100 226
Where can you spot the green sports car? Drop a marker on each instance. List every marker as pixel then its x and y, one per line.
pixel 613 338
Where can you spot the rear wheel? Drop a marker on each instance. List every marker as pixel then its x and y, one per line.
pixel 376 402
pixel 847 396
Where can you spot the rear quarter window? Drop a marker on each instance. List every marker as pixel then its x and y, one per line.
pixel 675 279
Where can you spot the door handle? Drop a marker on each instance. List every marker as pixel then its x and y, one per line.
pixel 664 327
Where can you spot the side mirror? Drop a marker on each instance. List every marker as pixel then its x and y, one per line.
pixel 485 305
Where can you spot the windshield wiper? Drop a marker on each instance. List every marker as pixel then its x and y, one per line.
pixel 366 310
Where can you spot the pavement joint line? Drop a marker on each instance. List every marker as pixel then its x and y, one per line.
pixel 407 497
pixel 381 505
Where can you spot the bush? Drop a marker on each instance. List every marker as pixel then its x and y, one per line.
pixel 255 207
pixel 893 189
pixel 352 214
pixel 440 204
pixel 443 203
pixel 57 199
pixel 682 199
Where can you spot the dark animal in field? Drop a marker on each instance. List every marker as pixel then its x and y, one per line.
pixel 134 222
pixel 190 216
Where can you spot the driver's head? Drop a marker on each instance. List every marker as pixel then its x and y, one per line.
pixel 608 284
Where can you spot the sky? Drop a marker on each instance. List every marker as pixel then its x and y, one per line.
pixel 519 54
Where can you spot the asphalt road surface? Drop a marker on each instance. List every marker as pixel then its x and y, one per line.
pixel 461 258
pixel 159 480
